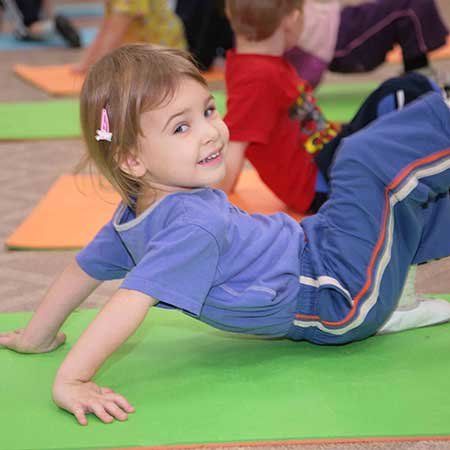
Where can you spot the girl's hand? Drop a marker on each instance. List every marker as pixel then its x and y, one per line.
pixel 84 397
pixel 14 340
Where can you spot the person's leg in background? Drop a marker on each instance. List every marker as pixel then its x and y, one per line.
pixel 369 31
pixel 31 21
pixel 392 95
pixel 207 29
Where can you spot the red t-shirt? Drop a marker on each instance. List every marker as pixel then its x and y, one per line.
pixel 272 109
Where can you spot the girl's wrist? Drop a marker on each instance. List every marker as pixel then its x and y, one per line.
pixel 37 343
pixel 65 380
pixel 29 345
pixel 67 374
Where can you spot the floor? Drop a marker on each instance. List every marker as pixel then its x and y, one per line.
pixel 28 169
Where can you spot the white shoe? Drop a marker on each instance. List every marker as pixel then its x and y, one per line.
pixel 425 312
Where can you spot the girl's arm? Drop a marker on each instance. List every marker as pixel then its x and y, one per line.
pixel 110 36
pixel 41 335
pixel 72 389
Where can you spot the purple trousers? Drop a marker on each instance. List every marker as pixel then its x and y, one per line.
pixel 368 31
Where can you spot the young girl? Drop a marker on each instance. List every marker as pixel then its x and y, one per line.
pixel 152 130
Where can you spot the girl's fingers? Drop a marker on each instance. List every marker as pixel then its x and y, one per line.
pixel 99 410
pixel 80 415
pixel 115 411
pixel 7 340
pixel 107 406
pixel 122 402
pixel 12 333
pixel 106 390
pixel 61 338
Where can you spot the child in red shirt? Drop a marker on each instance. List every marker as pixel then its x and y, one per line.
pixel 279 125
pixel 272 115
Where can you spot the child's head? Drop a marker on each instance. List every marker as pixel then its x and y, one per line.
pixel 257 20
pixel 152 99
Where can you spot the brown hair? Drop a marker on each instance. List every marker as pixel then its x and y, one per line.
pixel 128 82
pixel 257 20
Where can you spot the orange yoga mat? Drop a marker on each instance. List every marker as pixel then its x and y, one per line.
pixel 75 208
pixel 60 80
pixel 55 80
pixel 441 53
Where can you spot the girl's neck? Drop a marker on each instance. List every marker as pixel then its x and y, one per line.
pixel 143 203
pixel 273 45
pixel 150 196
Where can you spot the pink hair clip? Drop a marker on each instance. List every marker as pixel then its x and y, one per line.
pixel 103 134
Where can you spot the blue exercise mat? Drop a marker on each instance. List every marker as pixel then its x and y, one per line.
pixel 80 10
pixel 9 43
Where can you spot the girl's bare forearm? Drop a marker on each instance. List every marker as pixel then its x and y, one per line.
pixel 66 293
pixel 110 36
pixel 115 323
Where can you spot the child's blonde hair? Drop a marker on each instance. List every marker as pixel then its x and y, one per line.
pixel 128 82
pixel 257 20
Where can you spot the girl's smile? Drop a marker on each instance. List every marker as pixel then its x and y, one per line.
pixel 212 159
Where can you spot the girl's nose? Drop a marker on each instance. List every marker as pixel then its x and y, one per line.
pixel 210 132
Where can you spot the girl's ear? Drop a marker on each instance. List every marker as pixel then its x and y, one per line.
pixel 133 165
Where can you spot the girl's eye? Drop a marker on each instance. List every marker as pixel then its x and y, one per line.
pixel 210 111
pixel 181 128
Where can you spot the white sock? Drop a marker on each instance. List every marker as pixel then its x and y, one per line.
pixel 413 311
pixel 408 298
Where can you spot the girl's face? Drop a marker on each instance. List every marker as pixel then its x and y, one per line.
pixel 185 142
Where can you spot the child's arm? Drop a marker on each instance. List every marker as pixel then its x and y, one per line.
pixel 69 290
pixel 110 36
pixel 234 160
pixel 73 390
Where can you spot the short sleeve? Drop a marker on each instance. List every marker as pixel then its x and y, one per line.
pixel 130 7
pixel 178 269
pixel 252 111
pixel 105 257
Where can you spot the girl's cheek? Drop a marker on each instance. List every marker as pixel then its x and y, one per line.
pixel 226 132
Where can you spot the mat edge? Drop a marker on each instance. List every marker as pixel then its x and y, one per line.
pixel 283 443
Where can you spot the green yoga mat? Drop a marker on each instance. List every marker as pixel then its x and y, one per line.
pixel 340 102
pixel 191 384
pixel 57 119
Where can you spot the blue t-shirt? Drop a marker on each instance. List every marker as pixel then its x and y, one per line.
pixel 196 252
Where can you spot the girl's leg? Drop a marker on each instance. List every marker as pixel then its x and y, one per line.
pixel 369 31
pixel 376 223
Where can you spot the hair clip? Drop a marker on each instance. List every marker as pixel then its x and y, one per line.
pixel 103 134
